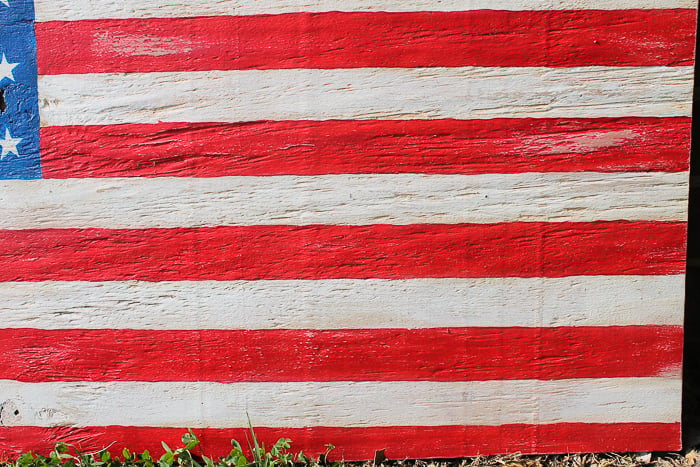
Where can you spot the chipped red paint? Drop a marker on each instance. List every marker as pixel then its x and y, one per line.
pixel 360 443
pixel 536 249
pixel 373 146
pixel 440 354
pixel 620 64
pixel 330 40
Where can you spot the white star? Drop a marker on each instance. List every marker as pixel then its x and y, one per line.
pixel 6 68
pixel 9 145
pixel 5 2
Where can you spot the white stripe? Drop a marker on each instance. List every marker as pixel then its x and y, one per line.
pixel 345 303
pixel 365 93
pixel 396 403
pixel 72 10
pixel 342 199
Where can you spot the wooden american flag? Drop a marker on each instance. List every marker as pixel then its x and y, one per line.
pixel 439 227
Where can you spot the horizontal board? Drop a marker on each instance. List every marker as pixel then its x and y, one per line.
pixel 72 10
pixel 366 93
pixel 342 200
pixel 345 303
pixel 329 40
pixel 386 403
pixel 345 252
pixel 439 354
pixel 373 146
pixel 413 442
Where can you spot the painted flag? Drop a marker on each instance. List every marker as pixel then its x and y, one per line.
pixel 436 227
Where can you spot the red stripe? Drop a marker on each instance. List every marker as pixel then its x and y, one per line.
pixel 331 40
pixel 458 354
pixel 360 443
pixel 536 249
pixel 374 146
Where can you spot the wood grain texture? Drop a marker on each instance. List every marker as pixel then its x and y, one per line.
pixel 360 443
pixel 345 252
pixel 335 404
pixel 345 303
pixel 342 200
pixel 329 40
pixel 438 354
pixel 366 93
pixel 373 146
pixel 465 223
pixel 74 10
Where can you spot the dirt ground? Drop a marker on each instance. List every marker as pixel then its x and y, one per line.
pixel 669 459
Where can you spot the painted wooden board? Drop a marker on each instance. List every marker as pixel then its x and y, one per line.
pixel 399 39
pixel 393 403
pixel 343 200
pixel 345 303
pixel 461 231
pixel 366 93
pixel 324 147
pixel 74 10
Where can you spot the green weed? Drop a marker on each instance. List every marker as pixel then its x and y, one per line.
pixel 68 455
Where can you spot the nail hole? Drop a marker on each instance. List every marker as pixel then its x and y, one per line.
pixel 9 414
pixel 3 104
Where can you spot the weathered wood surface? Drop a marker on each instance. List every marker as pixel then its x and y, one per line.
pixel 443 228
pixel 300 404
pixel 380 93
pixel 358 442
pixel 367 146
pixel 412 39
pixel 345 303
pixel 343 200
pixel 74 10
pixel 377 251
pixel 435 354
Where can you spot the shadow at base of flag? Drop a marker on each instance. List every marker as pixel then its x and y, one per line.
pixel 691 354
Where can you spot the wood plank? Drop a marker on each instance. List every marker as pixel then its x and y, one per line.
pixel 283 355
pixel 366 146
pixel 366 93
pixel 345 303
pixel 73 10
pixel 335 404
pixel 414 442
pixel 345 252
pixel 342 200
pixel 329 40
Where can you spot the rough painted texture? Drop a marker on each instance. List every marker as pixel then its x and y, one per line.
pixel 75 10
pixel 385 403
pixel 359 443
pixel 19 113
pixel 361 252
pixel 342 200
pixel 438 354
pixel 330 40
pixel 365 94
pixel 345 303
pixel 380 224
pixel 373 146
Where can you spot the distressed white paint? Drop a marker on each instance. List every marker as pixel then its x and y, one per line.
pixel 345 303
pixel 299 404
pixel 342 199
pixel 365 93
pixel 72 10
